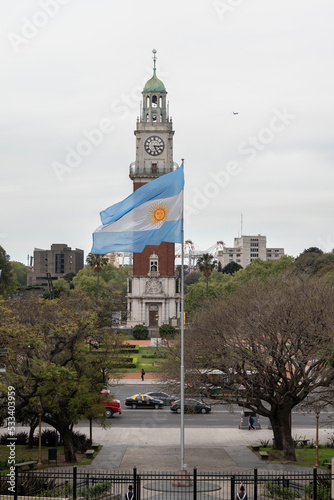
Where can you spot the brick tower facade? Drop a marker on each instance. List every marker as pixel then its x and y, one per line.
pixel 153 289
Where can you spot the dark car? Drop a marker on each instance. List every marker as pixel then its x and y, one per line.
pixel 191 406
pixel 167 399
pixel 143 401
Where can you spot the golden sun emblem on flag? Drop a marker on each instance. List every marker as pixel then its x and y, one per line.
pixel 158 213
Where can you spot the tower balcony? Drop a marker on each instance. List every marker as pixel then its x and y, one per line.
pixel 151 172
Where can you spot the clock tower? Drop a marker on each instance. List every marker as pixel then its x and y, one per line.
pixel 153 289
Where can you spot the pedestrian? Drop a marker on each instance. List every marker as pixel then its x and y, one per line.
pixel 251 423
pixel 142 374
pixel 129 495
pixel 242 495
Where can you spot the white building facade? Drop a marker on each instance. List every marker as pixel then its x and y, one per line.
pixel 248 248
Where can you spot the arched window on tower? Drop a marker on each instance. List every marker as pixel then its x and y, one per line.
pixel 160 102
pixel 154 264
pixel 154 101
pixel 147 101
pixel 154 118
pixel 147 117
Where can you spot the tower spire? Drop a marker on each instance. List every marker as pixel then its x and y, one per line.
pixel 154 61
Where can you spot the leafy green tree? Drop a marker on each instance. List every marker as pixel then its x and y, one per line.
pixel 197 293
pixel 206 265
pixel 8 281
pixel 231 268
pixel 167 331
pixel 97 262
pixel 50 363
pixel 223 284
pixel 140 332
pixel 21 272
pixel 112 284
pixel 60 286
pixel 312 250
pixel 314 263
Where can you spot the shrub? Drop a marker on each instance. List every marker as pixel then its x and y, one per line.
pixel 153 356
pixel 80 442
pixel 140 332
pixel 277 491
pixel 21 438
pixel 166 331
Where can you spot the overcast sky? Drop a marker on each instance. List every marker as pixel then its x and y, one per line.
pixel 70 67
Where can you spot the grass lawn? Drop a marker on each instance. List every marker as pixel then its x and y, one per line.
pixel 149 364
pixel 305 456
pixel 25 454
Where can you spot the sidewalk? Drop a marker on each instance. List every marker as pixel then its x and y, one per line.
pixel 135 378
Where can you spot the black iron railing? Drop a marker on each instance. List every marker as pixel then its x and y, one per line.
pixel 76 483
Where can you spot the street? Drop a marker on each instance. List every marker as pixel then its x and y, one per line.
pixel 221 416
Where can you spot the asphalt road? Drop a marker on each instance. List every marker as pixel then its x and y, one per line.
pixel 221 415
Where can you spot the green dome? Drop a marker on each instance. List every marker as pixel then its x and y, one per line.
pixel 154 85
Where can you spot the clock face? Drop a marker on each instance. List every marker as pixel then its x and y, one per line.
pixel 154 145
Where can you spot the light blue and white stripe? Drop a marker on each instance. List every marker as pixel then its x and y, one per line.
pixel 126 226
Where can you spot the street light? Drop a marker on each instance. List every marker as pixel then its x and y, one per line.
pixel 317 412
pixel 39 434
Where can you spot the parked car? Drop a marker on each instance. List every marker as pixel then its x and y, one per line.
pixel 143 401
pixel 167 399
pixel 191 406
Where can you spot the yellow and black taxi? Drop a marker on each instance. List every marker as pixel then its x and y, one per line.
pixel 143 401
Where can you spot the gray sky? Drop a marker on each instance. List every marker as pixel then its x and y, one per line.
pixel 70 67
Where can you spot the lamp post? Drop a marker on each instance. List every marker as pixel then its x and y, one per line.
pixel 40 438
pixel 317 411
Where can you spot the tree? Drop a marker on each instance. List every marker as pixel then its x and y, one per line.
pixel 8 282
pixel 314 263
pixel 231 268
pixel 140 332
pixel 50 363
pixel 167 331
pixel 206 265
pixel 312 250
pixel 112 284
pixel 96 262
pixel 59 286
pixel 21 272
pixel 275 338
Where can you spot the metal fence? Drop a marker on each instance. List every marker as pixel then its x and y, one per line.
pixel 80 484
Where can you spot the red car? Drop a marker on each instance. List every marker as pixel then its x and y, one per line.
pixel 111 406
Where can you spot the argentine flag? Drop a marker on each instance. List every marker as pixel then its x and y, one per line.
pixel 150 215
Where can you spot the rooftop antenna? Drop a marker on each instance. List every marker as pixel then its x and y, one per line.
pixel 241 225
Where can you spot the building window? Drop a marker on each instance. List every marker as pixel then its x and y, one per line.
pixel 154 260
pixel 238 254
pixel 231 255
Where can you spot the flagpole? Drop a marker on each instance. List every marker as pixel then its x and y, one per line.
pixel 182 335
